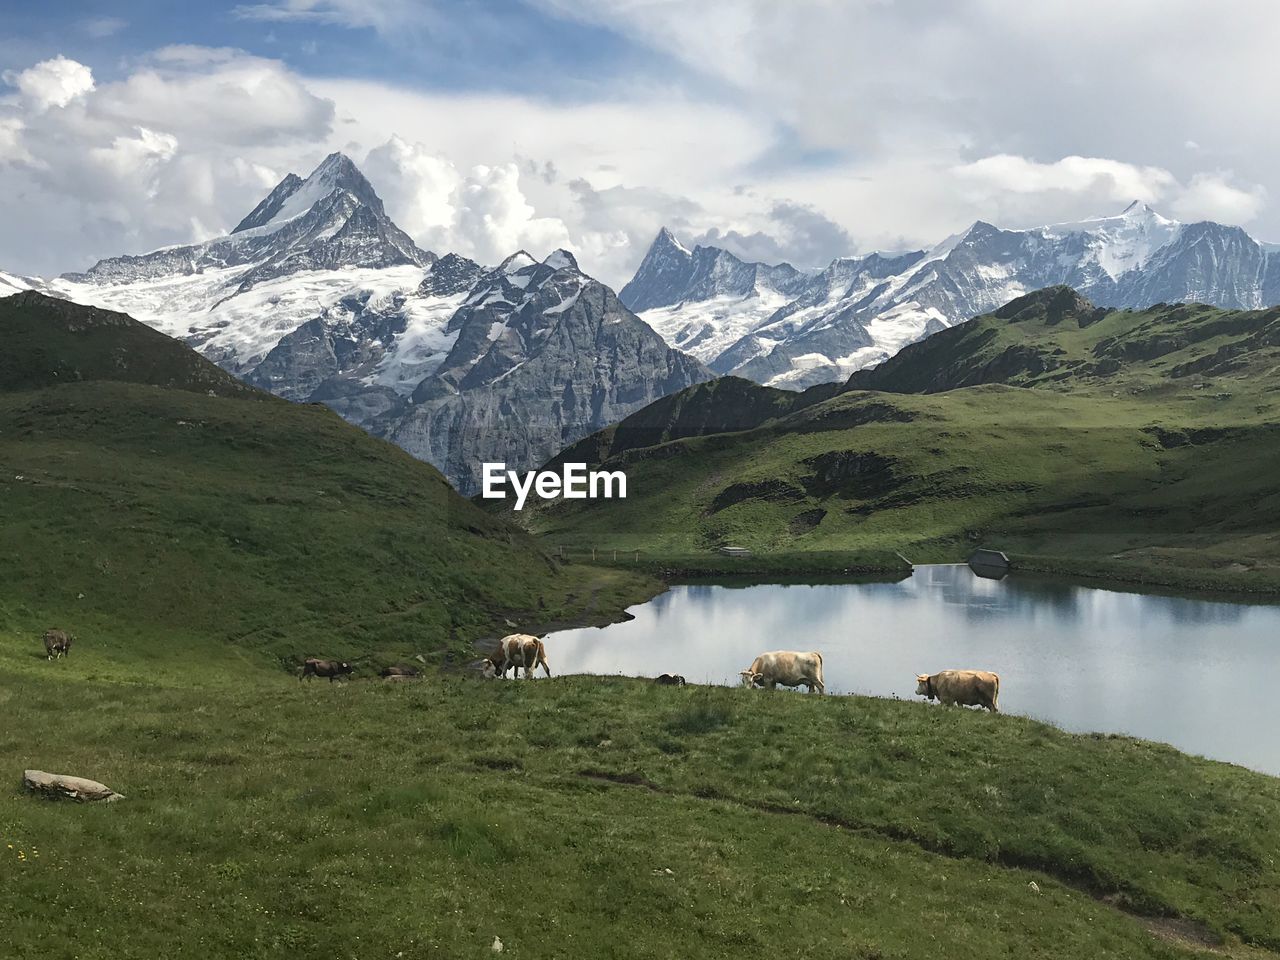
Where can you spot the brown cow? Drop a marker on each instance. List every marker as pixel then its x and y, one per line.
pixel 333 669
pixel 972 688
pixel 517 650
pixel 57 643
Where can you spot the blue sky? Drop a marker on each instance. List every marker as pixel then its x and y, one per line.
pixel 461 45
pixel 802 130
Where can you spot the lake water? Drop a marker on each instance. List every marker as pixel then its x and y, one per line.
pixel 1198 674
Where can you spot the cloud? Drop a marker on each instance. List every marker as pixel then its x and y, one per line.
pixel 218 95
pixel 1032 192
pixel 101 27
pixel 793 232
pixel 177 149
pixel 380 15
pixel 931 86
pixel 419 189
pixel 498 219
pixel 52 83
pixel 797 132
pixel 1108 179
pixel 1209 196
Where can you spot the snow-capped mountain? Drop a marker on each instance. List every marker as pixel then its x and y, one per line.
pixel 861 310
pixel 542 356
pixel 11 284
pixel 704 300
pixel 318 296
pixel 303 253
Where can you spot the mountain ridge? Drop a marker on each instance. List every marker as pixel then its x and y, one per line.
pixel 860 311
pixel 542 356
pixel 317 296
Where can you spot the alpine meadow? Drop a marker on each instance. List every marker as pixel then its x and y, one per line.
pixel 639 480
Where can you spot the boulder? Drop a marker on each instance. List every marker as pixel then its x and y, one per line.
pixel 72 788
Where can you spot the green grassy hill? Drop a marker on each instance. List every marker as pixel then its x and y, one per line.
pixel 1134 444
pixel 49 341
pixel 195 541
pixel 597 817
pixel 142 512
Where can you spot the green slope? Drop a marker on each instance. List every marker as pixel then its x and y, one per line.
pixel 49 341
pixel 166 518
pixel 192 541
pixel 598 817
pixel 1136 444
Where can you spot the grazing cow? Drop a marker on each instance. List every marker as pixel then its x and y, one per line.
pixel 669 680
pixel 333 669
pixel 57 643
pixel 972 688
pixel 517 650
pixel 399 670
pixel 788 668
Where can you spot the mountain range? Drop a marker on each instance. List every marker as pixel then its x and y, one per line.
pixel 318 296
pixel 778 326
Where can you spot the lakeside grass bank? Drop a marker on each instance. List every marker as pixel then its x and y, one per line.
pixel 267 816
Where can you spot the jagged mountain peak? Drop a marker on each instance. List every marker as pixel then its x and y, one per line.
pixel 671 273
pixel 270 204
pixel 520 260
pixel 333 219
pixel 294 197
pixel 561 260
pixel 666 238
pixel 449 275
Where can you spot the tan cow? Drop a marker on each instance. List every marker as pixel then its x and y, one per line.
pixel 972 688
pixel 517 650
pixel 788 668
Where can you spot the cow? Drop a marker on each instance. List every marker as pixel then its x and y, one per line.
pixel 57 643
pixel 669 680
pixel 399 670
pixel 333 669
pixel 788 668
pixel 972 688
pixel 517 650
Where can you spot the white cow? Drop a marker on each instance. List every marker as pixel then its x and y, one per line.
pixel 517 650
pixel 788 668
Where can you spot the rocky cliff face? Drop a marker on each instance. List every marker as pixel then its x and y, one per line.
pixel 543 355
pixel 860 311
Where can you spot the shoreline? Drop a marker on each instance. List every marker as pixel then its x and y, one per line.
pixel 1193 583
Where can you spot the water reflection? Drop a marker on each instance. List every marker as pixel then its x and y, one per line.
pixel 1193 673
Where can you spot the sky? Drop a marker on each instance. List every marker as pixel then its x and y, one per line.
pixel 796 131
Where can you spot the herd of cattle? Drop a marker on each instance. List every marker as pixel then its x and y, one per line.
pixel 521 651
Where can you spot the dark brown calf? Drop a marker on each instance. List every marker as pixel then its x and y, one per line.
pixel 669 680
pixel 57 643
pixel 333 669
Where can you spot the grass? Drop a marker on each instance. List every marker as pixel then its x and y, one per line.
pixel 599 817
pixel 144 518
pixel 1132 445
pixel 201 545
